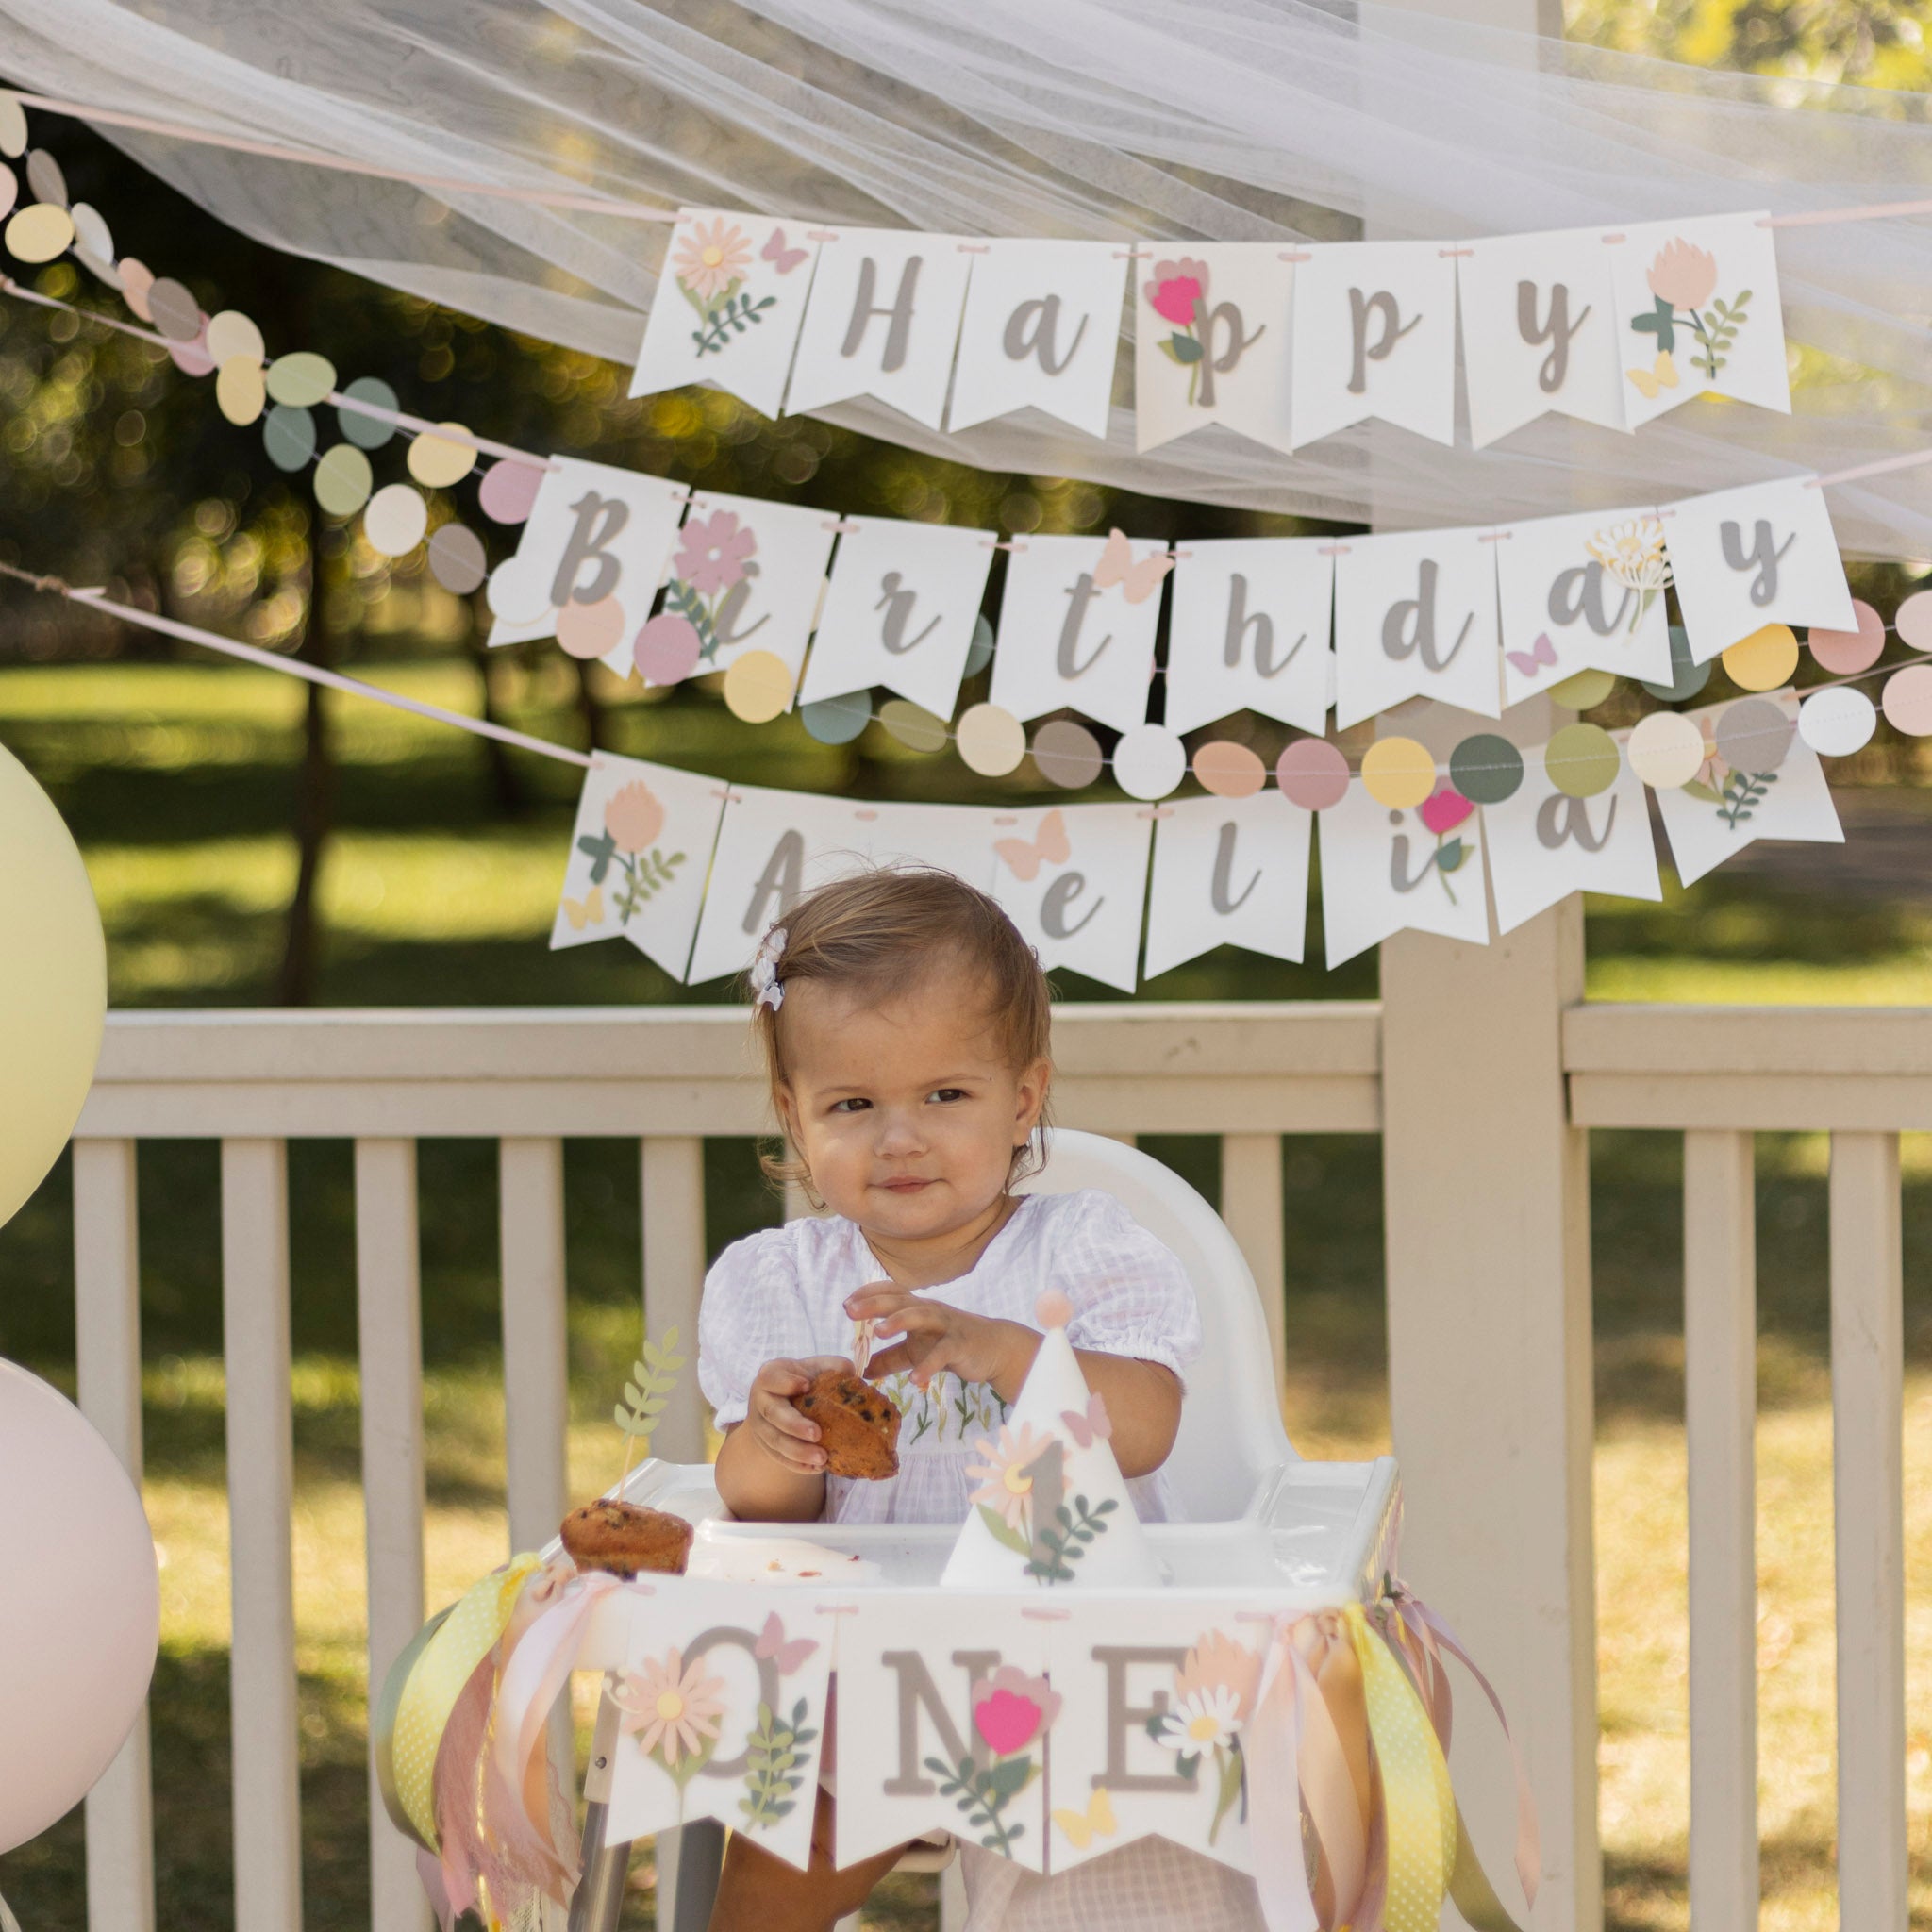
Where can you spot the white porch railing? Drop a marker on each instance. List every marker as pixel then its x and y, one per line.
pixel 1248 1074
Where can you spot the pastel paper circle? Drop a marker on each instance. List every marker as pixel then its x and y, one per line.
pixel 590 630
pixel 979 652
pixel 1686 679
pixel 1845 653
pixel 992 741
pixel 436 462
pixel 1763 661
pixel 12 124
pixel 178 314
pixel 1312 773
pixel 834 721
pixel 1666 750
pixel 1229 770
pixel 758 686
pixel 667 649
pixel 288 435
pixel 190 358
pixel 137 278
pixel 1485 768
pixel 1580 760
pixel 912 725
pixel 40 232
pixel 343 480
pixel 457 558
pixel 1149 761
pixel 9 189
pixel 231 333
pixel 1583 690
pixel 92 235
pixel 301 378
pixel 509 490
pixel 45 178
pixel 1835 724
pixel 98 266
pixel 518 591
pixel 1913 620
pixel 395 520
pixel 238 389
pixel 1067 754
pixel 1398 771
pixel 368 432
pixel 1753 735
pixel 1908 700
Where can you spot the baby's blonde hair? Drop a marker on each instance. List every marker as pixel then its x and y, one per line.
pixel 882 930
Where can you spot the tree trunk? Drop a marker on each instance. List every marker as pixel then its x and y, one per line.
pixel 315 803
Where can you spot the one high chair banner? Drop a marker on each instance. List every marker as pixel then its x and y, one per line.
pixel 550 129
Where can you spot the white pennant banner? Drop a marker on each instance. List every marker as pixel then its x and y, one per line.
pixel 1250 631
pixel 883 322
pixel 900 612
pixel 639 855
pixel 729 304
pixel 1074 879
pixel 1385 872
pixel 1583 591
pixel 1542 845
pixel 594 543
pixel 1698 309
pixel 1540 331
pixel 1228 872
pixel 1375 335
pixel 1042 327
pixel 1765 553
pixel 1762 781
pixel 1211 323
pixel 1077 621
pixel 1415 616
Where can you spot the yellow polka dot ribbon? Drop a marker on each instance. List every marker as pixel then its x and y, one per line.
pixel 422 1688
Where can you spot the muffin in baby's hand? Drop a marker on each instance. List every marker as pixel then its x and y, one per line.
pixel 624 1538
pixel 859 1428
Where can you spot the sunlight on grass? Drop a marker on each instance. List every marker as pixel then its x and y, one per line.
pixel 1898 982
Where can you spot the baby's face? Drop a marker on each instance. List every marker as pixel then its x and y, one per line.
pixel 905 1108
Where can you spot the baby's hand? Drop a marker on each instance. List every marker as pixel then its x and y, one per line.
pixel 778 1427
pixel 976 1349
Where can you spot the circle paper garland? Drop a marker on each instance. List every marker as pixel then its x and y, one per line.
pixel 1312 773
pixel 1686 679
pixel 758 685
pixel 1835 724
pixel 9 189
pixel 839 719
pixel 44 176
pixel 12 127
pixel 40 232
pixel 289 436
pixel 1666 750
pixel 1581 761
pixel 1583 690
pixel 1485 768
pixel 1753 735
pixel 1763 661
pixel 240 392
pixel 509 490
pixel 437 461
pixel 590 630
pixel 300 378
pixel 369 432
pixel 395 520
pixel 1149 761
pixel 519 592
pixel 92 236
pixel 979 652
pixel 1068 755
pixel 667 649
pixel 137 278
pixel 457 558
pixel 992 741
pixel 1229 770
pixel 1398 773
pixel 1913 620
pixel 342 480
pixel 1908 700
pixel 912 725
pixel 178 314
pixel 1848 652
pixel 231 333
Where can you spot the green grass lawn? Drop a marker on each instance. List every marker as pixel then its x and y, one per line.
pixel 177 781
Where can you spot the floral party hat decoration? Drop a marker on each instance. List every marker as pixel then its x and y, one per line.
pixel 1049 1504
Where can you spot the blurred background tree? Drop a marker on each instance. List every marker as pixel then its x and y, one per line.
pixel 1875 42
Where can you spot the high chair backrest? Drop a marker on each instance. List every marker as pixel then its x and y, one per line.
pixel 1231 1432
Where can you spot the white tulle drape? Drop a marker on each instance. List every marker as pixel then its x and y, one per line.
pixel 1225 119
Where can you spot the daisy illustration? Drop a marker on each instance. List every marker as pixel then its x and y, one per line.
pixel 1006 1481
pixel 671 1707
pixel 712 258
pixel 1200 1721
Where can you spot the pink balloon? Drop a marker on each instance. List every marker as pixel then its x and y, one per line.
pixel 509 490
pixel 1848 652
pixel 1312 773
pixel 667 649
pixel 80 1616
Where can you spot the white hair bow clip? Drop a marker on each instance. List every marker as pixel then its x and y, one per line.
pixel 764 970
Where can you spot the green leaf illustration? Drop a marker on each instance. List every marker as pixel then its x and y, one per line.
pixel 1001 1530
pixel 1185 349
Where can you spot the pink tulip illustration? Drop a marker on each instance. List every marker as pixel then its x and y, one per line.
pixel 1441 812
pixel 1010 1710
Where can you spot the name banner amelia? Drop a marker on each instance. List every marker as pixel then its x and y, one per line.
pixel 628 568
pixel 692 872
pixel 1280 343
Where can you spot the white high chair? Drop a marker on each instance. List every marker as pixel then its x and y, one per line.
pixel 1231 1437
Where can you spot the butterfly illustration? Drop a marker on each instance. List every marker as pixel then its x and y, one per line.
pixel 1542 651
pixel 588 910
pixel 771 1644
pixel 786 258
pixel 1097 1821
pixel 1024 856
pixel 1649 381
pixel 1138 581
pixel 1095 1426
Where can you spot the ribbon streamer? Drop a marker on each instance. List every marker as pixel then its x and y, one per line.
pixel 1271 1749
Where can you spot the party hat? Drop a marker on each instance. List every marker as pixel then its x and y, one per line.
pixel 1049 1504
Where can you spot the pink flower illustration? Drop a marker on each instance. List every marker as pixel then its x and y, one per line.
pixel 1219 1664
pixel 1006 1485
pixel 712 552
pixel 672 1706
pixel 712 258
pixel 1011 1709
pixel 633 816
pixel 1683 275
pixel 1175 287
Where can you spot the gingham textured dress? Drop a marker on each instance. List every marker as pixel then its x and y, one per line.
pixel 781 1294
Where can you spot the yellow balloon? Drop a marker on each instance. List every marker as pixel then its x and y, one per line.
pixel 53 984
pixel 1398 771
pixel 758 686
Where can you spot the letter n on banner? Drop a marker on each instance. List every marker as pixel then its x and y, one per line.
pixel 1073 878
pixel 918 1751
pixel 1229 872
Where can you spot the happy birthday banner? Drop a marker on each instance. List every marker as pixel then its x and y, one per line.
pixel 1283 346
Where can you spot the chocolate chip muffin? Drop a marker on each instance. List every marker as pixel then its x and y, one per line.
pixel 624 1538
pixel 859 1428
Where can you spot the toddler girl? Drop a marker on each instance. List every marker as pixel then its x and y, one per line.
pixel 904 1024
